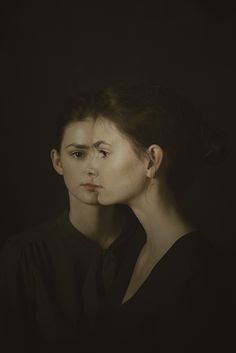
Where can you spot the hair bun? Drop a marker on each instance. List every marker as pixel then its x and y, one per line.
pixel 214 144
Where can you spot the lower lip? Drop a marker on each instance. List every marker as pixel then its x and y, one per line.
pixel 91 187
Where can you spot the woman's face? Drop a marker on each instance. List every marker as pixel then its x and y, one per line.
pixel 121 173
pixel 76 162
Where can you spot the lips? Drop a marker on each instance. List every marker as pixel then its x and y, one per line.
pixel 91 186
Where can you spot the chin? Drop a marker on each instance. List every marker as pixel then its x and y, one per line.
pixel 91 203
pixel 107 201
pixel 89 199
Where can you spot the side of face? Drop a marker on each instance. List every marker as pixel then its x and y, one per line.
pixel 99 164
pixel 74 161
pixel 121 172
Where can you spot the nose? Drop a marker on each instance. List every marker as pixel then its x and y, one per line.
pixel 90 168
pixel 91 171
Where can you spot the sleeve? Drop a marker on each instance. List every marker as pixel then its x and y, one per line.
pixel 16 299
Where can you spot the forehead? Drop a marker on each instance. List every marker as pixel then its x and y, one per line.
pixel 79 132
pixel 107 131
pixel 89 132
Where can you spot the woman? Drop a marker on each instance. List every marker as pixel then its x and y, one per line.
pixel 148 145
pixel 55 277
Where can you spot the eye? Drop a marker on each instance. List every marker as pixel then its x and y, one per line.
pixel 78 154
pixel 104 153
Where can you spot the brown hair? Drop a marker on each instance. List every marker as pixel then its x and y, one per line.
pixel 152 114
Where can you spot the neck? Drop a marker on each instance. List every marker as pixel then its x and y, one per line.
pixel 162 221
pixel 103 224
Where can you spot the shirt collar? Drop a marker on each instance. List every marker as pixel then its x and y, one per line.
pixel 130 227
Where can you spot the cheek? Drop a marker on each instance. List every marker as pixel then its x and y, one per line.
pixel 123 177
pixel 115 171
pixel 72 172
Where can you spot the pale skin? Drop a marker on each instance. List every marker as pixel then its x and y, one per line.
pixel 139 184
pixel 74 162
pixel 163 229
pixel 125 178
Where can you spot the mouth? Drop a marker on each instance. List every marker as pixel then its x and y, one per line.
pixel 90 186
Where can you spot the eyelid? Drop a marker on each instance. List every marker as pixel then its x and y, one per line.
pixel 78 150
pixel 103 150
pixel 82 152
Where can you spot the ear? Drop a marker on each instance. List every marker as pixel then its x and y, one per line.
pixel 154 155
pixel 56 161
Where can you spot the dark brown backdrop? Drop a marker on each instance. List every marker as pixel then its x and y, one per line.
pixel 188 45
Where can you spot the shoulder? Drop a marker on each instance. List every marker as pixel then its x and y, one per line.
pixel 34 233
pixel 20 244
pixel 198 252
pixel 206 290
pixel 201 269
pixel 192 262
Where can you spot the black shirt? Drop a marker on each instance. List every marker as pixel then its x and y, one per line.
pixel 54 282
pixel 60 292
pixel 181 307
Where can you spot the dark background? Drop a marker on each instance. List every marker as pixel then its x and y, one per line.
pixel 48 49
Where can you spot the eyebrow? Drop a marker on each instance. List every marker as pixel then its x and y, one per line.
pixel 76 145
pixel 98 143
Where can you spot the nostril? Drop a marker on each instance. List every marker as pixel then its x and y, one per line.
pixel 91 172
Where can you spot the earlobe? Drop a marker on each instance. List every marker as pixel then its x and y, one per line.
pixel 155 156
pixel 56 161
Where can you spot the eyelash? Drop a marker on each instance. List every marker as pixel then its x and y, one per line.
pixel 81 154
pixel 104 153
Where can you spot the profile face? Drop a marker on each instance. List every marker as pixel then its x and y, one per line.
pixel 121 173
pixel 76 162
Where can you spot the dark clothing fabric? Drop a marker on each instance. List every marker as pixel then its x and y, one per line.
pixel 181 307
pixel 60 292
pixel 53 281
